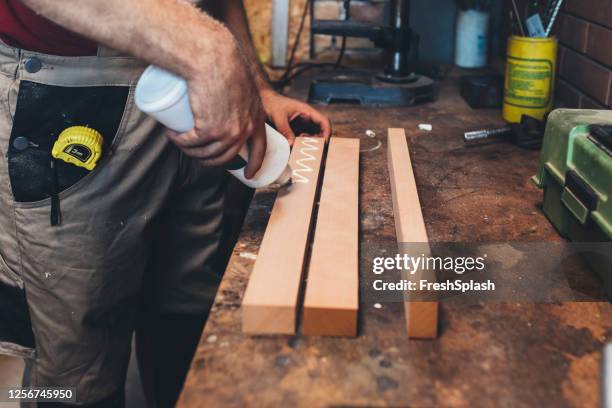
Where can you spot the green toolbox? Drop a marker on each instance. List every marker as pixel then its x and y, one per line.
pixel 576 175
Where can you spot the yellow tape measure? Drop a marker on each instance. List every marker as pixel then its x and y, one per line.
pixel 79 145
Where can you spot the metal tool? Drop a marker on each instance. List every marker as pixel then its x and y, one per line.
pixel 486 133
pixel 526 134
pixel 553 17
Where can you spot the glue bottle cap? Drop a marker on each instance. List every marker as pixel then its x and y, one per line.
pixel 158 90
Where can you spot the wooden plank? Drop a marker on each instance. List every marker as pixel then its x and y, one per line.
pixel 270 302
pixel 421 316
pixel 331 301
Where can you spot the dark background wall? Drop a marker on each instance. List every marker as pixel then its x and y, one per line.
pixel 585 54
pixel 435 22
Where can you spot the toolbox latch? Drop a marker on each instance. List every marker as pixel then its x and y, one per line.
pixel 602 134
pixel 578 197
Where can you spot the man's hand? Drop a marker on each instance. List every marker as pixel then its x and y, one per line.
pixel 176 36
pixel 279 109
pixel 227 111
pixel 282 110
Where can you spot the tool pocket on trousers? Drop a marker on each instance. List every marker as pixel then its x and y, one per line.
pixel 42 112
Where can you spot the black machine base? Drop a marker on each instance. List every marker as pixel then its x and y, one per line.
pixel 370 90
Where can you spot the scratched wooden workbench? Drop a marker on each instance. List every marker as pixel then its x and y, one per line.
pixel 487 354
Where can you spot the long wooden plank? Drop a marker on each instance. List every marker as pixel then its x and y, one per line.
pixel 331 301
pixel 421 316
pixel 270 302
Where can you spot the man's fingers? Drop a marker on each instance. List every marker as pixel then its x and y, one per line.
pixel 196 138
pixel 206 152
pixel 171 134
pixel 221 159
pixel 186 139
pixel 281 122
pixel 257 151
pixel 175 137
pixel 321 120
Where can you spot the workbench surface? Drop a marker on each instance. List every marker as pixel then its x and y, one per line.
pixel 487 354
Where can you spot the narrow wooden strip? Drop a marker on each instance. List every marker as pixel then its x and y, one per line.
pixel 421 316
pixel 331 301
pixel 270 302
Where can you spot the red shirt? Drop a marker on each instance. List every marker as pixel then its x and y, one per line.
pixel 23 28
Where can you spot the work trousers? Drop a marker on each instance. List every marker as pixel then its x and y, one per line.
pixel 139 232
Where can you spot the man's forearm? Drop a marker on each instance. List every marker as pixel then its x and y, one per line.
pixel 233 14
pixel 169 33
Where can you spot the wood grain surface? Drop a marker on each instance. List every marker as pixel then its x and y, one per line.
pixel 270 302
pixel 421 316
pixel 488 354
pixel 331 301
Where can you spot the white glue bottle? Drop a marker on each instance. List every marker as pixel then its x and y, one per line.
pixel 165 97
pixel 472 39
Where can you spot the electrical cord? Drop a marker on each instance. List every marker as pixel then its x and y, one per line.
pixel 281 82
pixel 307 67
pixel 347 7
pixel 294 70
